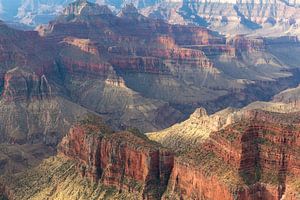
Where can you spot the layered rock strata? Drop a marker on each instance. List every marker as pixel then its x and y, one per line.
pixel 124 160
pixel 253 159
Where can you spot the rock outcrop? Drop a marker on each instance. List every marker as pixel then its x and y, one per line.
pixel 178 54
pixel 83 44
pixel 252 159
pixel 124 160
pixel 144 73
pixel 249 153
pixel 255 158
pixel 265 18
pixel 20 85
pixel 198 127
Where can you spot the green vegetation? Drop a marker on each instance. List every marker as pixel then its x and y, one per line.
pixel 95 124
pixel 133 184
pixel 270 177
pixel 261 140
pixel 137 132
pixel 231 137
pixel 268 132
pixel 212 165
pixel 252 176
pixel 57 178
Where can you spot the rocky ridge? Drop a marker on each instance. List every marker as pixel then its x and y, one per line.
pixel 240 167
pixel 276 18
pixel 265 18
pixel 243 154
pixel 121 159
pixel 254 158
pixel 86 64
pixel 50 78
pixel 127 162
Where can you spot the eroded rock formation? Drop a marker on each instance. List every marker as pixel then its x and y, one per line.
pixel 124 160
pixel 255 158
pixel 252 159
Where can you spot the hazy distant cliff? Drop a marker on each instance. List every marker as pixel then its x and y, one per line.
pixel 269 18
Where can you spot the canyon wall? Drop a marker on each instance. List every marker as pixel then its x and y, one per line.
pixel 123 160
pixel 252 159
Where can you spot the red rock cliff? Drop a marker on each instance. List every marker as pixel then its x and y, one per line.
pixel 254 159
pixel 123 160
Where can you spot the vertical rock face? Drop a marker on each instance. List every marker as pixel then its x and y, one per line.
pixel 21 85
pixel 83 44
pixel 74 69
pixel 243 44
pixel 84 7
pixel 189 181
pixel 134 36
pixel 124 160
pixel 253 159
pixel 232 17
pixel 184 67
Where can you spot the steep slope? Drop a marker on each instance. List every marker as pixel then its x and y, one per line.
pixel 107 69
pixel 249 153
pixel 15 158
pixel 36 82
pixel 32 108
pixel 144 73
pixel 195 70
pixel 36 12
pixel 31 13
pixel 254 158
pixel 197 128
pixel 111 166
pixel 265 18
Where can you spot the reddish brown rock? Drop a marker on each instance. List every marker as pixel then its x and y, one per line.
pixel 130 41
pixel 74 66
pixel 189 181
pixel 84 44
pixel 124 160
pixel 254 159
pixel 21 85
pixel 243 44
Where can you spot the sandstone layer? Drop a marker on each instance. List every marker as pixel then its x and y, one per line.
pixel 252 159
pixel 124 160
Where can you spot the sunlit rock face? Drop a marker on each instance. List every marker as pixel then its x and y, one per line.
pixel 142 73
pixel 36 12
pixel 267 18
pixel 264 18
pixel 119 159
pixel 242 161
pixel 253 157
pixel 137 72
pixel 242 154
pixel 170 51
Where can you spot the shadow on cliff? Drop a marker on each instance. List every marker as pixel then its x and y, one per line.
pixel 252 167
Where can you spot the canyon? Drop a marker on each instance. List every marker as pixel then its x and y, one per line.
pixel 256 156
pixel 92 65
pixel 99 105
pixel 258 18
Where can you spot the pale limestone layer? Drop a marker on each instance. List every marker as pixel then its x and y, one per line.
pixel 230 17
pixel 199 126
